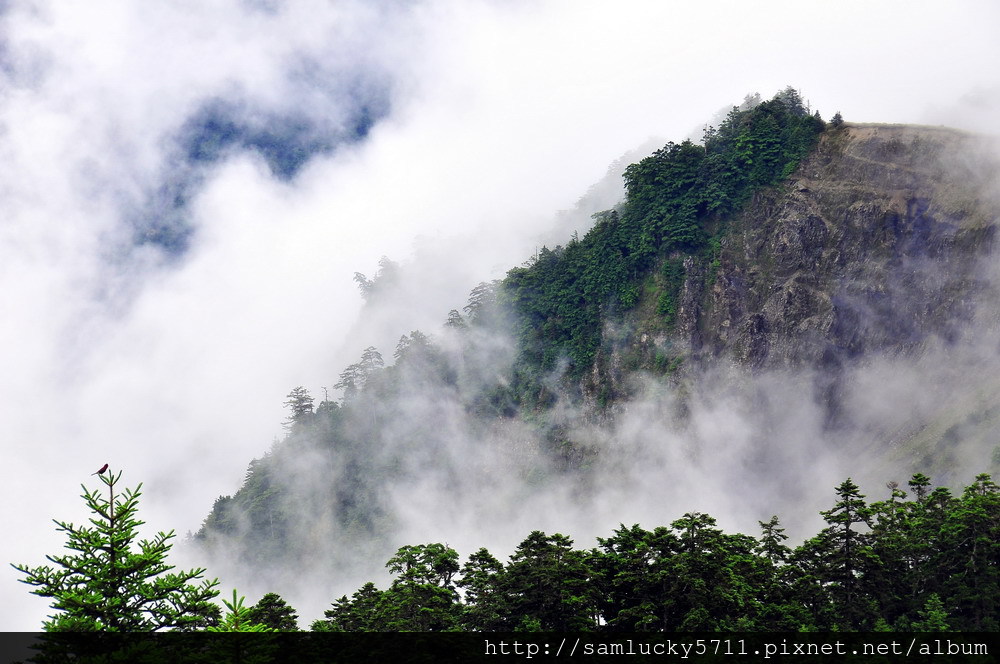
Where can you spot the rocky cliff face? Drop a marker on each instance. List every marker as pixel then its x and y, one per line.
pixel 878 245
pixel 874 245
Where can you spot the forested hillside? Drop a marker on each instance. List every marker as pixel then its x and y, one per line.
pixel 780 243
pixel 677 202
pixel 555 306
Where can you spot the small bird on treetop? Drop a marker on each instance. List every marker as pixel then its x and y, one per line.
pixel 101 471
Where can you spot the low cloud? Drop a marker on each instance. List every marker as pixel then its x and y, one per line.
pixel 444 135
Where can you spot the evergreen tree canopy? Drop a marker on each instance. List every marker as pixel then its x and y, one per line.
pixel 273 612
pixel 238 618
pixel 677 202
pixel 300 403
pixel 113 581
pixel 926 564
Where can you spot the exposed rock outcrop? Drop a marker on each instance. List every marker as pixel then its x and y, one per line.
pixel 873 245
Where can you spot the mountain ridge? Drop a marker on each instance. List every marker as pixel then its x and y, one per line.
pixel 871 248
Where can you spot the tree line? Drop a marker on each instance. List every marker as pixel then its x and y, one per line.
pixel 677 202
pixel 923 561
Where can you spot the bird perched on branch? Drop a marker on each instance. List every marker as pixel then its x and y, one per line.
pixel 101 471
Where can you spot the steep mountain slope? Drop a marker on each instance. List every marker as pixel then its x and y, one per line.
pixel 871 246
pixel 823 289
pixel 874 245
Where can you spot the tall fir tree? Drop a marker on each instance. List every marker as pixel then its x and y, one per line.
pixel 849 556
pixel 113 581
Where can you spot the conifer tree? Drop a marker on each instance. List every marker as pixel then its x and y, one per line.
pixel 933 617
pixel 623 565
pixel 300 402
pixel 274 612
pixel 848 555
pixel 549 586
pixel 113 581
pixel 771 541
pixel 258 649
pixel 482 579
pixel 360 613
pixel 239 618
pixel 423 596
pixel 889 580
pixel 970 551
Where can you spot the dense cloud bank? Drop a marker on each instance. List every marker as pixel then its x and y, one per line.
pixel 189 190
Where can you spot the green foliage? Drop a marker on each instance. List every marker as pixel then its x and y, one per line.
pixel 113 581
pixel 422 598
pixel 238 618
pixel 273 612
pixel 482 581
pixel 562 298
pixel 360 613
pixel 482 303
pixel 633 578
pixel 301 404
pixel 236 646
pixel 926 564
pixel 673 278
pixel 933 617
pixel 970 533
pixel 548 583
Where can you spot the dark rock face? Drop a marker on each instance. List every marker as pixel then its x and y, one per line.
pixel 873 246
pixel 878 247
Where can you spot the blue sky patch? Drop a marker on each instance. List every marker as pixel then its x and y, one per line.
pixel 286 141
